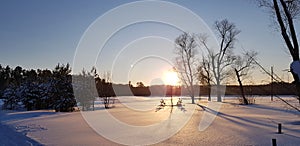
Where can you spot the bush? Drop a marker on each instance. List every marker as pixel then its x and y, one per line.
pixel 250 99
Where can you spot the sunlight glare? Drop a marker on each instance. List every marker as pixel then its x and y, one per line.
pixel 171 78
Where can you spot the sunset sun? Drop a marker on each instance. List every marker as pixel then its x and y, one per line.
pixel 171 78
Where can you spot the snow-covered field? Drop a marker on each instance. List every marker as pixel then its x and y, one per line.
pixel 234 124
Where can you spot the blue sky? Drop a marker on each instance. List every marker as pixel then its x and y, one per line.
pixel 40 34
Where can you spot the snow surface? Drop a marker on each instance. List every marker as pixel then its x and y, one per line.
pixel 234 125
pixel 295 66
pixel 1 103
pixel 10 137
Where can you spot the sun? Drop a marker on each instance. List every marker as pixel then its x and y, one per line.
pixel 171 78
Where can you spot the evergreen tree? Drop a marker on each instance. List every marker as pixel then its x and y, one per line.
pixel 61 89
pixel 11 97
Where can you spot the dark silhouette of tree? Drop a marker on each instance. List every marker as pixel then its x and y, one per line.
pixel 186 61
pixel 221 60
pixel 45 80
pixel 205 75
pixel 105 89
pixel 285 12
pixel 42 89
pixel 62 90
pixel 242 66
pixel 44 75
pixel 5 73
pixel 17 75
pixel 31 95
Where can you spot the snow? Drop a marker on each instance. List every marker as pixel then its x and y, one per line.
pixel 11 137
pixel 1 103
pixel 244 125
pixel 234 124
pixel 295 66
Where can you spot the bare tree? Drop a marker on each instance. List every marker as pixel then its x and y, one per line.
pixel 186 61
pixel 105 89
pixel 205 75
pixel 242 66
pixel 221 59
pixel 286 12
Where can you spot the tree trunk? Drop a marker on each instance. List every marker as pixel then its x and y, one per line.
pixel 209 90
pixel 298 90
pixel 171 95
pixel 297 82
pixel 293 47
pixel 241 86
pixel 219 98
pixel 192 94
pixel 93 104
pixel 193 99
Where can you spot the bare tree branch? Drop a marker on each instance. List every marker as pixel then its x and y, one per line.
pixel 185 62
pixel 220 62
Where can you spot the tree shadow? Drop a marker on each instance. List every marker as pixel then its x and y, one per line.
pixel 14 116
pixel 202 107
pixel 9 136
pixel 247 122
pixel 161 107
pixel 273 108
pixel 181 108
pixel 233 104
pixel 292 135
pixel 294 123
pixel 30 128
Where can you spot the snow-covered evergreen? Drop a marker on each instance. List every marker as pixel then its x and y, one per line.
pixel 42 90
pixel 10 98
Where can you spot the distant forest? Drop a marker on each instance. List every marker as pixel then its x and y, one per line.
pixel 275 88
pixel 54 89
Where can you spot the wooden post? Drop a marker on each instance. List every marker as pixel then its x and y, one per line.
pixel 171 95
pixel 272 83
pixel 93 104
pixel 274 142
pixel 279 128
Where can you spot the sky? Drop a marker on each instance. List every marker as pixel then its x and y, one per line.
pixel 41 34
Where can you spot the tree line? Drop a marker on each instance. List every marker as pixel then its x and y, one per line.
pixel 37 89
pixel 53 89
pixel 56 89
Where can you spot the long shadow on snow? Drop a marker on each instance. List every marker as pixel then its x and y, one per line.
pixel 14 116
pixel 12 137
pixel 246 122
pixel 274 109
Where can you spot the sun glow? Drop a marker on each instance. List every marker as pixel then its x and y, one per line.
pixel 171 78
